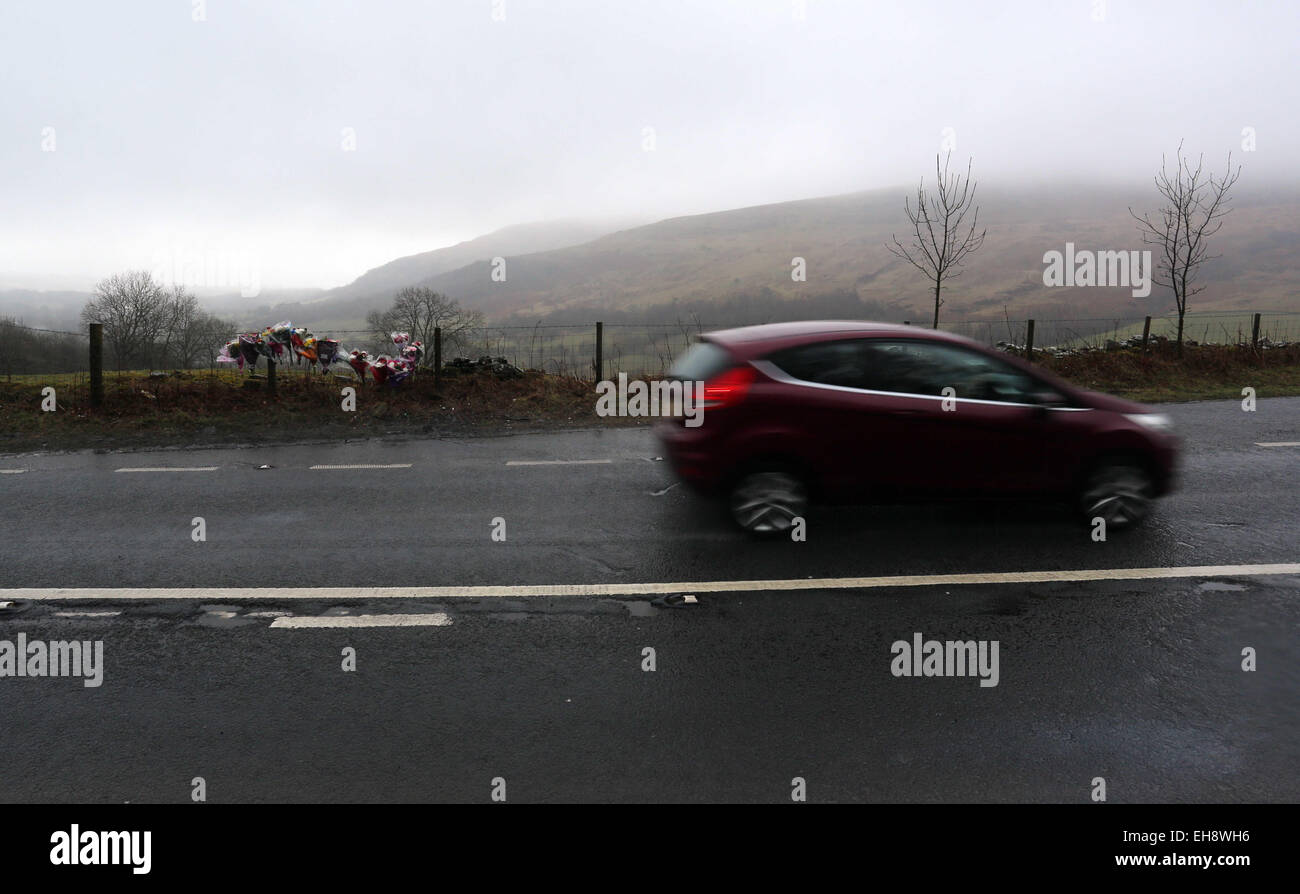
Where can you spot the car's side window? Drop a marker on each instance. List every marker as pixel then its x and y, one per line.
pixel 841 362
pixel 907 366
pixel 925 367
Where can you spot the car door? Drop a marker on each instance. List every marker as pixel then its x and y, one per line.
pixel 860 435
pixel 967 419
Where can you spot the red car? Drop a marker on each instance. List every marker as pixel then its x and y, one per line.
pixel 856 411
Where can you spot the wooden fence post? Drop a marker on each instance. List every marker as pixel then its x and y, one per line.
pixel 1146 332
pixel 1254 333
pixel 437 354
pixel 96 364
pixel 1029 341
pixel 270 374
pixel 600 348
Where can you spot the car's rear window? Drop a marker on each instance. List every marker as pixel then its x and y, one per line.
pixel 826 362
pixel 701 362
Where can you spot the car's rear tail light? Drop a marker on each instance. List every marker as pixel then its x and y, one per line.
pixel 728 388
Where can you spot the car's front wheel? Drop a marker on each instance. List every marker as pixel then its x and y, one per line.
pixel 1118 491
pixel 768 502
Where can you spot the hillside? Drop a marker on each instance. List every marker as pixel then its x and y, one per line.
pixel 53 309
pixel 339 307
pixel 732 254
pixel 348 305
pixel 729 260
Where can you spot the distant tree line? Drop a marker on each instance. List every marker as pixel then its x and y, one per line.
pixel 24 350
pixel 151 325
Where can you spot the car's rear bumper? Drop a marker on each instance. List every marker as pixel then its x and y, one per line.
pixel 691 454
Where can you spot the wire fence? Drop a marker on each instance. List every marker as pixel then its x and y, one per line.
pixel 27 350
pixel 648 350
pixel 1208 328
pixel 570 350
pixel 560 349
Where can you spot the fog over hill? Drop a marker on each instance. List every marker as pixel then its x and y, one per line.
pixel 583 270
pixel 375 288
pixel 60 309
pixel 747 253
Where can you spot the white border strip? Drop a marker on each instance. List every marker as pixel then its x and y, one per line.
pixel 365 466
pixel 559 462
pixel 170 469
pixel 243 594
pixel 437 619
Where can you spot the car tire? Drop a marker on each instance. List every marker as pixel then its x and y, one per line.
pixel 1119 491
pixel 766 502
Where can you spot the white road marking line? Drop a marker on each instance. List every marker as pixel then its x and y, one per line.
pixel 437 619
pixel 87 614
pixel 559 462
pixel 170 469
pixel 366 466
pixel 12 471
pixel 1277 443
pixel 242 594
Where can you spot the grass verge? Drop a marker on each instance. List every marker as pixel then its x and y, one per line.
pixel 226 407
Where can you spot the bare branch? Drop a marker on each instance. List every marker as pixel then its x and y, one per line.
pixel 941 240
pixel 1193 209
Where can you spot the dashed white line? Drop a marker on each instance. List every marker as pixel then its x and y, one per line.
pixel 436 619
pixel 1277 443
pixel 87 614
pixel 244 594
pixel 12 471
pixel 366 466
pixel 169 469
pixel 559 462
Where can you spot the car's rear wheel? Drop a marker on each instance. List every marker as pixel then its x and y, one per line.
pixel 768 501
pixel 1118 491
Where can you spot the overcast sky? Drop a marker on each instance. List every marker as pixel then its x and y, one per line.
pixel 178 126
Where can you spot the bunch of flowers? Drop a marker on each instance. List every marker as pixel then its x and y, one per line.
pixel 273 341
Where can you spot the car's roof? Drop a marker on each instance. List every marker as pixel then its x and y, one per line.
pixel 746 336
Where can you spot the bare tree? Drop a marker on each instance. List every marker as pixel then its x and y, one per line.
pixel 133 307
pixel 940 238
pixel 419 310
pixel 185 332
pixel 214 332
pixel 1195 204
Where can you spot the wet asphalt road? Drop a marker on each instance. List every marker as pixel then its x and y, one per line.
pixel 1137 682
